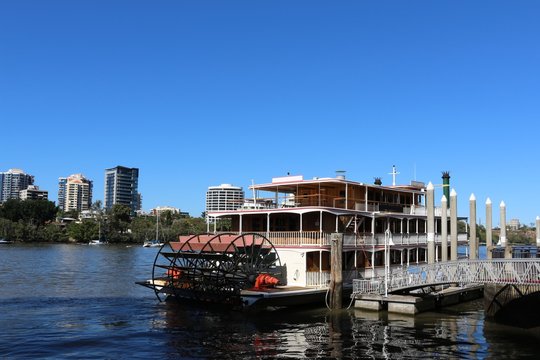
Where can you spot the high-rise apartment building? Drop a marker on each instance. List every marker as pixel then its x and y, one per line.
pixel 12 182
pixel 121 187
pixel 224 197
pixel 74 193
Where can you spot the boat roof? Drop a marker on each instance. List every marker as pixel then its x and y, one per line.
pixel 289 184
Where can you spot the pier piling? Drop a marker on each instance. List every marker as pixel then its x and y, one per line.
pixel 444 228
pixel 502 218
pixel 430 204
pixel 473 245
pixel 538 231
pixel 336 277
pixel 453 226
pixel 489 229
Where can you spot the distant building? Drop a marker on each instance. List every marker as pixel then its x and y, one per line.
pixel 12 182
pixel 121 187
pixel 32 192
pixel 89 214
pixel 74 193
pixel 161 209
pixel 224 197
pixel 173 210
pixel 514 224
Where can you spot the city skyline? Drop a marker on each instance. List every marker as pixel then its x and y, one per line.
pixel 205 93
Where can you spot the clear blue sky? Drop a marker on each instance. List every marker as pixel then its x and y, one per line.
pixel 199 93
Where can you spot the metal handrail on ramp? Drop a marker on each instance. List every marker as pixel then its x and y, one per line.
pixel 495 271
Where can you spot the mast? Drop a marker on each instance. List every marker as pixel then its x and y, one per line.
pixel 393 173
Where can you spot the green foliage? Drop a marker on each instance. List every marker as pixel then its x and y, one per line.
pixel 5 228
pixel 119 219
pixel 170 227
pixel 54 233
pixel 461 227
pixel 25 220
pixel 36 212
pixel 519 238
pixel 84 231
pixel 191 226
pixel 143 228
pixel 481 233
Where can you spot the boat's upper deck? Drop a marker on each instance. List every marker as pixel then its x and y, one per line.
pixel 338 193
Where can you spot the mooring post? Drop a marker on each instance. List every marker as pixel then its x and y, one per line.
pixel 538 231
pixel 502 218
pixel 336 275
pixel 453 226
pixel 489 229
pixel 473 246
pixel 502 240
pixel 430 204
pixel 444 228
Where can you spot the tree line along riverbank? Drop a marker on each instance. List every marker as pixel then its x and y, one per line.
pixel 43 221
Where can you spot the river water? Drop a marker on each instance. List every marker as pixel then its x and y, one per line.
pixel 81 302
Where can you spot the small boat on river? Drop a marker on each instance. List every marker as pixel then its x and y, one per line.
pixel 97 242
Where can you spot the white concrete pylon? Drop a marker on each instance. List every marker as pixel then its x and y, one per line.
pixel 502 208
pixel 489 228
pixel 538 231
pixel 430 205
pixel 444 228
pixel 453 226
pixel 473 245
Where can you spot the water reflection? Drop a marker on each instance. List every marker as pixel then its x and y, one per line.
pixel 317 333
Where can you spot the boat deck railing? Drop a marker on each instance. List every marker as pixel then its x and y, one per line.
pixel 322 278
pixel 317 238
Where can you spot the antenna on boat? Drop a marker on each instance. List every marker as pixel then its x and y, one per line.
pixel 393 173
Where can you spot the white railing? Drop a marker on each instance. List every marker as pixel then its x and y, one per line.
pixel 422 210
pixel 407 239
pixel 322 278
pixel 317 278
pixel 316 238
pixel 297 238
pixel 361 206
pixel 496 271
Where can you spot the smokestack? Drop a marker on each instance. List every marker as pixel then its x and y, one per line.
pixel 446 183
pixel 340 174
